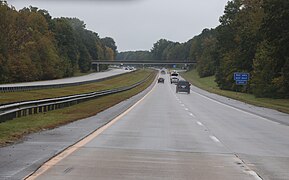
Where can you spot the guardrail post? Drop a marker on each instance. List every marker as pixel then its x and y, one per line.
pixel 18 113
pixel 13 115
pixel 30 111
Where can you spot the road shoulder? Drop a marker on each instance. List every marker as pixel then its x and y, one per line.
pixel 266 113
pixel 21 159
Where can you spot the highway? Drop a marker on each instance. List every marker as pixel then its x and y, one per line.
pixel 179 136
pixel 89 77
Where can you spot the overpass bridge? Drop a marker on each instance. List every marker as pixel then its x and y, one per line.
pixel 141 62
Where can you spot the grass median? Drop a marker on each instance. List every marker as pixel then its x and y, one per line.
pixel 11 131
pixel 120 81
pixel 209 84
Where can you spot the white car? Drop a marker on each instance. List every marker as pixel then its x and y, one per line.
pixel 174 79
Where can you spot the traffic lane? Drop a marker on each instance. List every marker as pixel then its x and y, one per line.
pixel 240 129
pixel 99 163
pixel 23 158
pixel 263 144
pixel 160 122
pixel 92 76
pixel 267 113
pixel 157 139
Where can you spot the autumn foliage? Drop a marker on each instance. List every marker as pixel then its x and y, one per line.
pixel 35 46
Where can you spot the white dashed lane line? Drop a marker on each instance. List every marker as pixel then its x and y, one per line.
pixel 191 114
pixel 199 123
pixel 215 139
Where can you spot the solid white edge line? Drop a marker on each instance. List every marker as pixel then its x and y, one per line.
pixel 254 174
pixel 247 169
pixel 235 108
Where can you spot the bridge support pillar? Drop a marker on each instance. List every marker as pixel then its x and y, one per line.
pixel 97 68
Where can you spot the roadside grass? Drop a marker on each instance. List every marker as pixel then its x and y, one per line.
pixel 120 81
pixel 78 73
pixel 14 130
pixel 209 84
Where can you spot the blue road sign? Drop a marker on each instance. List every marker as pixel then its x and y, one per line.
pixel 174 66
pixel 241 82
pixel 241 76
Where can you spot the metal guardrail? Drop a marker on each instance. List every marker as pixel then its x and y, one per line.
pixel 37 87
pixel 14 110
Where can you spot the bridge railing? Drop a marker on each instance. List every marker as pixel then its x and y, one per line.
pixel 187 62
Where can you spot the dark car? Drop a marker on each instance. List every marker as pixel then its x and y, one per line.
pixel 161 80
pixel 174 74
pixel 183 86
pixel 163 72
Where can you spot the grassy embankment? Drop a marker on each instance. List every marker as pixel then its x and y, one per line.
pixel 15 129
pixel 210 85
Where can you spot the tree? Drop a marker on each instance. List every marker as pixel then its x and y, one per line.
pixel 159 47
pixel 109 53
pixel 33 46
pixel 134 55
pixel 237 40
pixel 110 43
pixel 271 63
pixel 66 45
pixel 204 51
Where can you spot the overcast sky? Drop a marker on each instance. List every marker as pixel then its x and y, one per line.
pixel 137 24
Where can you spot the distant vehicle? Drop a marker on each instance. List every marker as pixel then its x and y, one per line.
pixel 131 68
pixel 174 79
pixel 126 68
pixel 183 86
pixel 161 80
pixel 163 72
pixel 175 74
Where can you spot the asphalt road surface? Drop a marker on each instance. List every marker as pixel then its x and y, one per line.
pixel 180 136
pixel 92 76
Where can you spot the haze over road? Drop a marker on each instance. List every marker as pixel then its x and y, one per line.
pixel 181 136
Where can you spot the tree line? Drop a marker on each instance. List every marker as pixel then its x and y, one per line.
pixel 35 46
pixel 134 55
pixel 252 37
